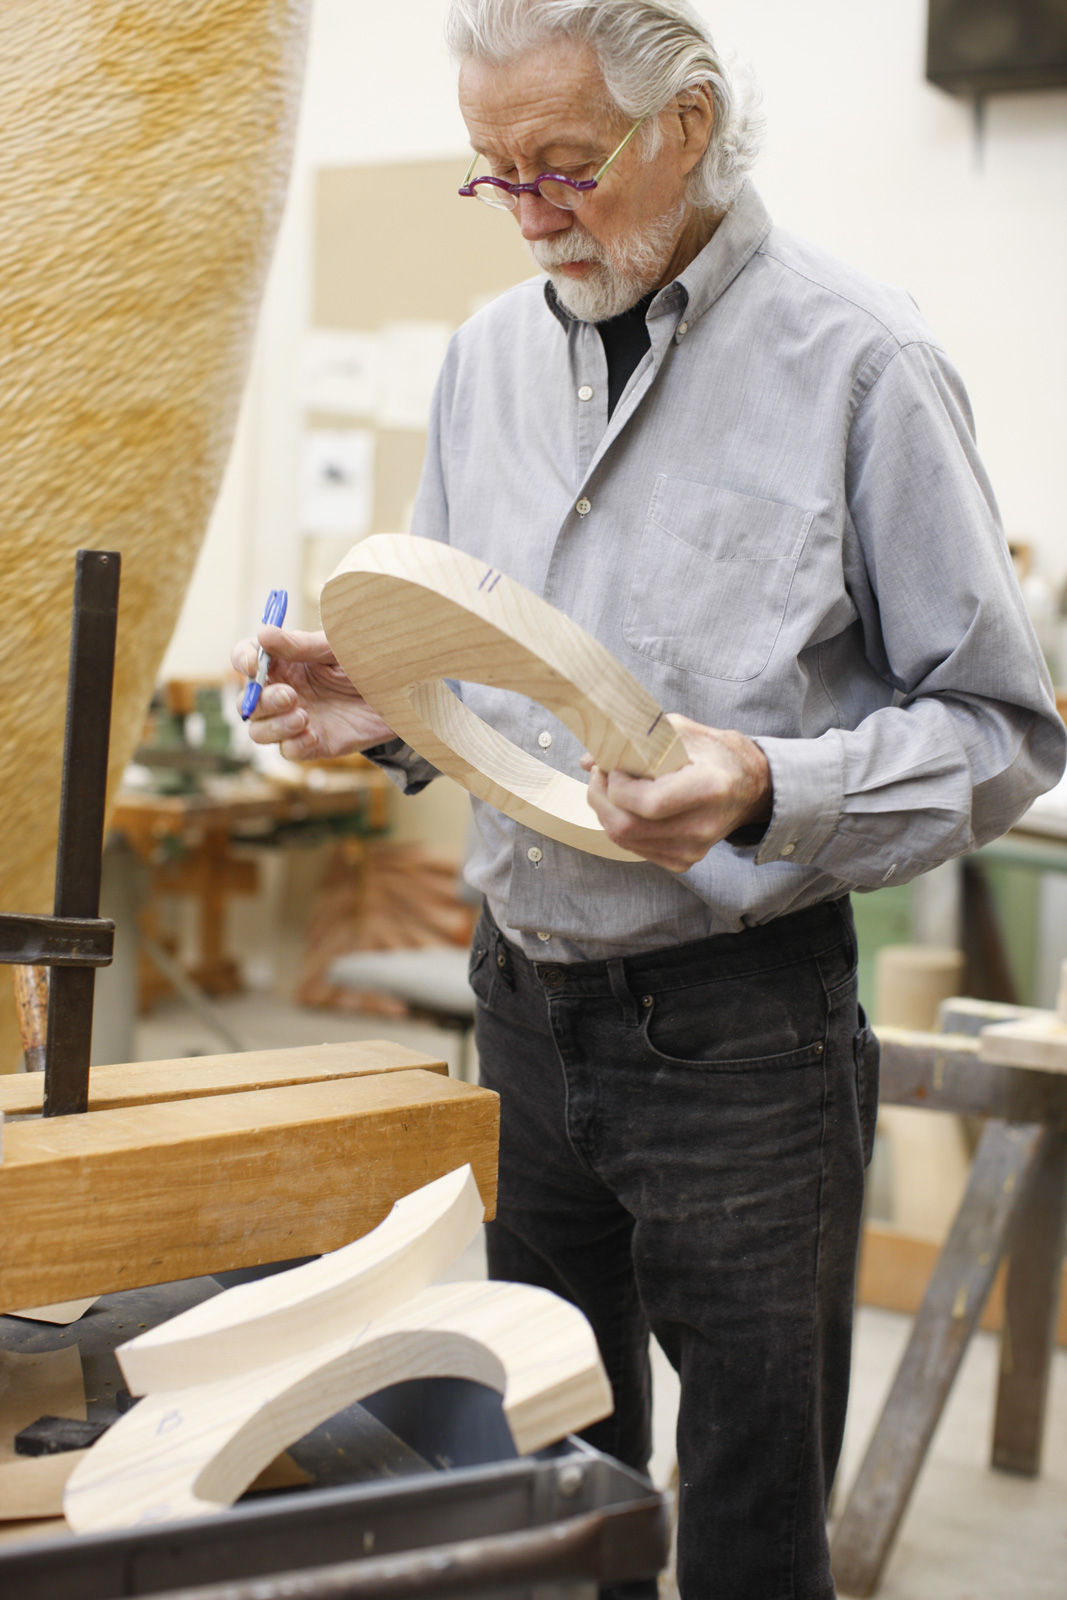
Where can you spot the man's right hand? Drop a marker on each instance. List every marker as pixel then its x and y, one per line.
pixel 309 706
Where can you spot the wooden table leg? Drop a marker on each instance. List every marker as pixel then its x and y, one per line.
pixel 955 1297
pixel 1030 1312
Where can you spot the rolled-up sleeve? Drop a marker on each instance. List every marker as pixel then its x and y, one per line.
pixel 973 735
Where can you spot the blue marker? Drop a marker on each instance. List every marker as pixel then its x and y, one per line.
pixel 274 612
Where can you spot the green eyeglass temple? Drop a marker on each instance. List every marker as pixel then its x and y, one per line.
pixel 563 192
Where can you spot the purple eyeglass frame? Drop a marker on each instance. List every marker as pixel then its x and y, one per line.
pixel 469 187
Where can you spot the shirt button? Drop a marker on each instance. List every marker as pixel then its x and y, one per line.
pixel 682 330
pixel 585 392
pixel 890 873
pixel 544 739
pixel 584 507
pixel 787 849
pixel 533 854
pixel 544 937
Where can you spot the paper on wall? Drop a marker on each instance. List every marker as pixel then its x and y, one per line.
pixel 411 356
pixel 341 372
pixel 337 481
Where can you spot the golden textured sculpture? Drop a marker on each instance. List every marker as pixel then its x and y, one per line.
pixel 143 163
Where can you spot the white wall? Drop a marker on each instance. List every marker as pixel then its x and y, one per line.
pixel 868 159
pixel 861 155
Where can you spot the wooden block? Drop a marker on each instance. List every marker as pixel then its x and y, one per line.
pixel 895 1269
pixel 257 1324
pixel 191 1077
pixel 1037 1041
pixel 912 980
pixel 143 1194
pixel 402 614
pixel 192 1451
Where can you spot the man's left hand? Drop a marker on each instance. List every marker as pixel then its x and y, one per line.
pixel 674 820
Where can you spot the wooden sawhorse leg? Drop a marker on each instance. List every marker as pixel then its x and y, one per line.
pixel 1005 1165
pixel 1031 1310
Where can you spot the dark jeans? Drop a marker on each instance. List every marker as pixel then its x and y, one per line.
pixel 683 1137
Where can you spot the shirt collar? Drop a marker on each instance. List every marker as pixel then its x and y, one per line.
pixel 730 248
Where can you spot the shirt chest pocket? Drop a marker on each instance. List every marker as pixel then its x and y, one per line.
pixel 712 580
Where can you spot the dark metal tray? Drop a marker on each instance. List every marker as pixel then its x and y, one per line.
pixel 554 1525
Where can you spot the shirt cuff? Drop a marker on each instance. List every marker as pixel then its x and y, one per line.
pixel 808 776
pixel 402 765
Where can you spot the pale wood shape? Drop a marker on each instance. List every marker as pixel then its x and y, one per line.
pixel 62 1314
pixel 31 1487
pixel 193 1077
pixel 143 171
pixel 258 1324
pixel 46 1383
pixel 191 1452
pixel 1038 1041
pixel 144 1194
pixel 401 614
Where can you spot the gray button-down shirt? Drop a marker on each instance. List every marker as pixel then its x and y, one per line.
pixel 783 528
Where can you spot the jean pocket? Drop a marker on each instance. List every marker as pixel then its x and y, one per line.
pixel 480 971
pixel 763 1021
pixel 867 1053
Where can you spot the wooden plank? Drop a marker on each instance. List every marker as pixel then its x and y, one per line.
pixel 946 1072
pixel 965 1014
pixel 191 1077
pixel 1035 1275
pixel 192 1451
pixel 1035 1041
pixel 257 1324
pixel 402 614
pixel 958 1290
pixel 144 1194
pixel 896 1267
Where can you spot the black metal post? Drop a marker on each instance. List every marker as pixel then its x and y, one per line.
pixel 81 821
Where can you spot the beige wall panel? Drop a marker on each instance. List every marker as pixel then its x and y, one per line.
pixel 142 175
pixel 396 242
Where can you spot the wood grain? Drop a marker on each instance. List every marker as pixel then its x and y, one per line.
pixel 401 614
pixel 258 1324
pixel 192 1451
pixel 144 1194
pixel 192 1077
pixel 142 177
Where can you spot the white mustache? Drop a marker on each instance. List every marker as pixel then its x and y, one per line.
pixel 575 245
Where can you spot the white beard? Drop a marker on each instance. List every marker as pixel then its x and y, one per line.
pixel 625 270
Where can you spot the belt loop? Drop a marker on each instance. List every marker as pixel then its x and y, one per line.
pixel 621 990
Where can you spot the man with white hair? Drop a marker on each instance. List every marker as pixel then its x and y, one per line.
pixel 749 471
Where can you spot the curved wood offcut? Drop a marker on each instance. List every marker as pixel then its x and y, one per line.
pixel 193 1451
pixel 257 1324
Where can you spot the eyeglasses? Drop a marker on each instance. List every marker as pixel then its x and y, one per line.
pixel 554 187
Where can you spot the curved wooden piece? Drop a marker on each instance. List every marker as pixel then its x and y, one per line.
pixel 258 1324
pixel 401 614
pixel 194 1451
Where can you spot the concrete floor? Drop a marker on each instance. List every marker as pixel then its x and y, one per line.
pixel 970 1534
